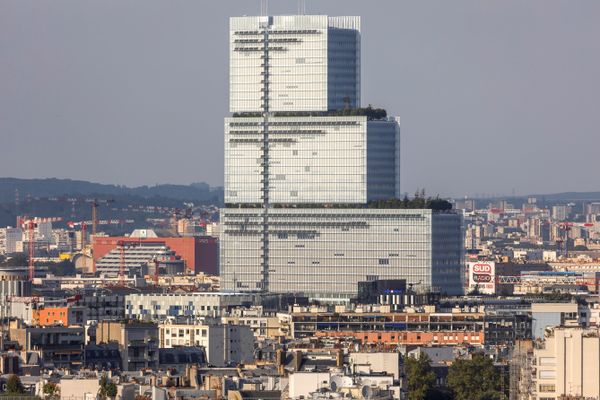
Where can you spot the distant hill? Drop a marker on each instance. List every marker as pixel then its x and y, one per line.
pixel 544 199
pixel 199 193
pixel 70 200
pixel 570 196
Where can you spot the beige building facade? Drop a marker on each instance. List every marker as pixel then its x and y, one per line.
pixel 568 364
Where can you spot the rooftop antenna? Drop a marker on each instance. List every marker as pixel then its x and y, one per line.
pixel 301 7
pixel 264 7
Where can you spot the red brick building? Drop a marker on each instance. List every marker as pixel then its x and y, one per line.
pixel 200 253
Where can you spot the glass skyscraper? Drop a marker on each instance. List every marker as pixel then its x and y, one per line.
pixel 294 63
pixel 303 161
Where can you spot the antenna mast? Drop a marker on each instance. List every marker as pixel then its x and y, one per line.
pixel 264 7
pixel 301 7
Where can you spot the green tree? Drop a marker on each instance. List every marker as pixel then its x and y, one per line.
pixel 420 376
pixel 108 389
pixel 14 385
pixel 51 391
pixel 405 202
pixel 475 379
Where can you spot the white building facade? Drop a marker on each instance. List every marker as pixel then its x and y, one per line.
pixel 302 162
pixel 224 344
pixel 338 159
pixel 568 364
pixel 9 240
pixel 326 252
pixel 159 306
pixel 311 62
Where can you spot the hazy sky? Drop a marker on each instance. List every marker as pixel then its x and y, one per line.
pixel 494 96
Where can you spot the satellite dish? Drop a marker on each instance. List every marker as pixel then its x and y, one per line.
pixel 366 392
pixel 334 385
pixel 338 382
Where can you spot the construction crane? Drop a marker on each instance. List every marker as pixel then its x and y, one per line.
pixel 85 224
pixel 566 228
pixel 177 212
pixel 95 204
pixel 551 278
pixel 29 225
pixel 156 270
pixel 121 245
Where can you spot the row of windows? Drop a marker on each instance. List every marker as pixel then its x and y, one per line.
pixel 181 332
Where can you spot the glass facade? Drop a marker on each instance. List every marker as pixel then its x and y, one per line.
pixel 322 251
pixel 296 184
pixel 312 160
pixel 311 62
pixel 383 159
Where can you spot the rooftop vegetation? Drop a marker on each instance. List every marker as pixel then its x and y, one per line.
pixel 370 112
pixel 419 201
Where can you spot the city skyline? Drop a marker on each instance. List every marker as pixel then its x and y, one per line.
pixel 508 79
pixel 345 250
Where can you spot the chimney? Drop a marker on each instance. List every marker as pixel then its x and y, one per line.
pixel 339 359
pixel 193 376
pixel 297 360
pixel 280 361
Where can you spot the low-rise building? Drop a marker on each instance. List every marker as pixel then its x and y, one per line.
pixel 181 357
pixel 262 326
pixel 14 282
pixel 138 342
pixel 506 328
pixel 416 328
pixel 9 238
pixel 78 388
pixel 65 316
pixel 103 304
pixel 548 315
pixel 224 344
pixel 105 356
pixel 199 253
pixel 60 346
pixel 159 306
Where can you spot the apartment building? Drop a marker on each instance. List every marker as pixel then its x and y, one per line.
pixel 568 364
pixel 224 344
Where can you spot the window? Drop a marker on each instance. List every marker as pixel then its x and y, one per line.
pixel 547 388
pixel 384 261
pixel 546 361
pixel 547 374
